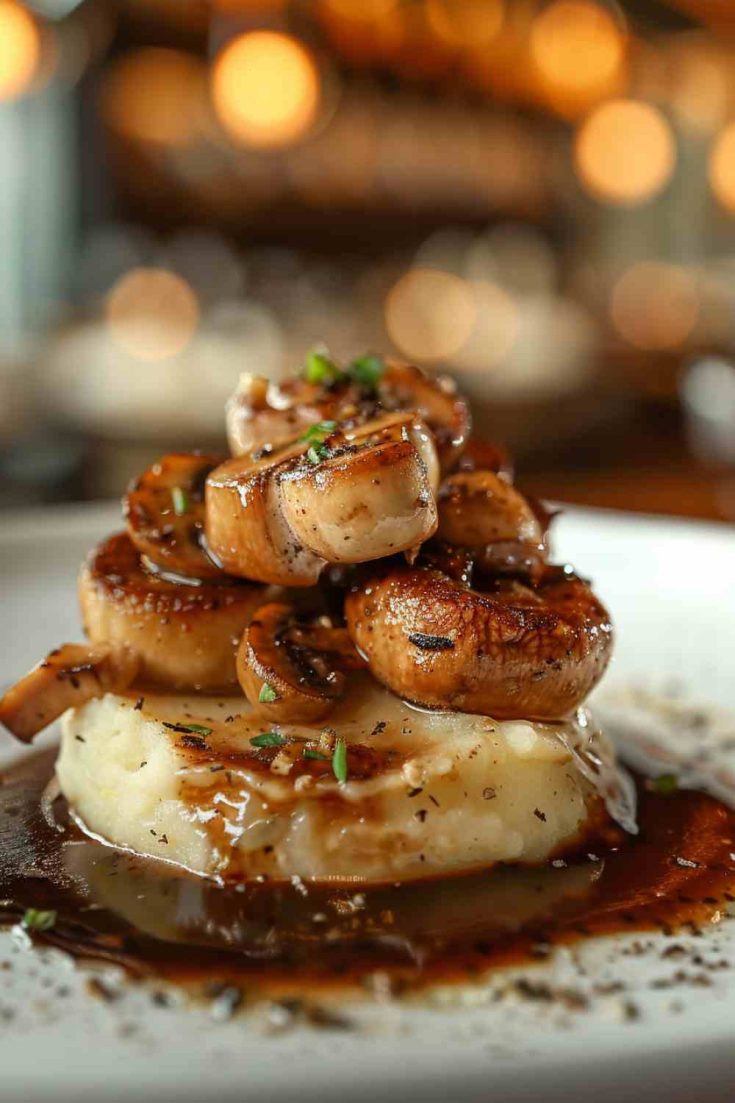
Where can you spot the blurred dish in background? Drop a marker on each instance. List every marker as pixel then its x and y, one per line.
pixel 538 194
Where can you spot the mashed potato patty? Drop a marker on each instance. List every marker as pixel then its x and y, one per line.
pixel 204 783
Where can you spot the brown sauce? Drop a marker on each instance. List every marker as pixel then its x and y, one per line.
pixel 157 921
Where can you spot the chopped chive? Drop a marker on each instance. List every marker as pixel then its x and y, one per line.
pixel 666 784
pixel 320 369
pixel 316 453
pixel 267 694
pixel 267 739
pixel 180 500
pixel 339 760
pixel 316 755
pixel 200 729
pixel 367 370
pixel 36 920
pixel 319 431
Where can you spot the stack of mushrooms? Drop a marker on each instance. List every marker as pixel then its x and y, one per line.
pixel 355 606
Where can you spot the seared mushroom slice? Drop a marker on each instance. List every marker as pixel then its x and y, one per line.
pixel 341 497
pixel 513 652
pixel 67 677
pixel 164 509
pixel 480 507
pixel 185 635
pixel 483 512
pixel 245 526
pixel 293 673
pixel 485 455
pixel 438 402
pixel 367 496
pixel 263 414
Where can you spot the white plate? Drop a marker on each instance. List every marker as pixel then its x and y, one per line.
pixel 671 586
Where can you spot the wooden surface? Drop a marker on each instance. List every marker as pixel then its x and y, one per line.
pixel 639 461
pixel 686 493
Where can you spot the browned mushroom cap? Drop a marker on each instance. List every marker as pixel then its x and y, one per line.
pixel 480 507
pixel 483 512
pixel 184 635
pixel 438 402
pixel 262 413
pixel 67 677
pixel 245 527
pixel 485 455
pixel 514 652
pixel 293 673
pixel 371 496
pixel 164 509
pixel 265 414
pixel 357 495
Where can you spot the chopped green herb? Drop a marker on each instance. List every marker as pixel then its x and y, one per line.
pixel 317 453
pixel 320 369
pixel 200 729
pixel 319 431
pixel 35 920
pixel 267 739
pixel 367 370
pixel 180 500
pixel 316 755
pixel 666 784
pixel 339 760
pixel 267 694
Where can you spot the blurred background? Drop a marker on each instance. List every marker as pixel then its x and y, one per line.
pixel 537 195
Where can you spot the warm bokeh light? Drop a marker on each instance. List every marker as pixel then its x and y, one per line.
pixel 577 47
pixel 722 167
pixel 152 313
pixel 625 152
pixel 266 89
pixel 249 7
pixel 156 95
pixel 700 83
pixel 654 306
pixel 495 329
pixel 366 11
pixel 363 31
pixel 20 50
pixel 430 314
pixel 466 23
pixel 516 256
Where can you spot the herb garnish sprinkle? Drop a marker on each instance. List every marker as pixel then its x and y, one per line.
pixel 339 760
pixel 36 920
pixel 267 739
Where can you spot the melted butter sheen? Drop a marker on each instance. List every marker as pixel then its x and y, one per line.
pixel 158 921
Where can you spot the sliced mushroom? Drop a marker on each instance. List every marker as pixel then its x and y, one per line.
pixel 438 402
pixel 480 507
pixel 164 509
pixel 352 496
pixel 483 512
pixel 515 652
pixel 246 529
pixel 263 414
pixel 185 636
pixel 293 673
pixel 370 497
pixel 485 455
pixel 67 677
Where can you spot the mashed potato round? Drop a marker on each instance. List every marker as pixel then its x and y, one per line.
pixel 426 793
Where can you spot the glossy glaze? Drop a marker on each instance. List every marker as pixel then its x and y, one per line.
pixel 157 921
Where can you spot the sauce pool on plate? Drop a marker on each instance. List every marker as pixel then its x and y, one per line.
pixel 157 921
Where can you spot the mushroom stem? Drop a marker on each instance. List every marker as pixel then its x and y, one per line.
pixel 67 677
